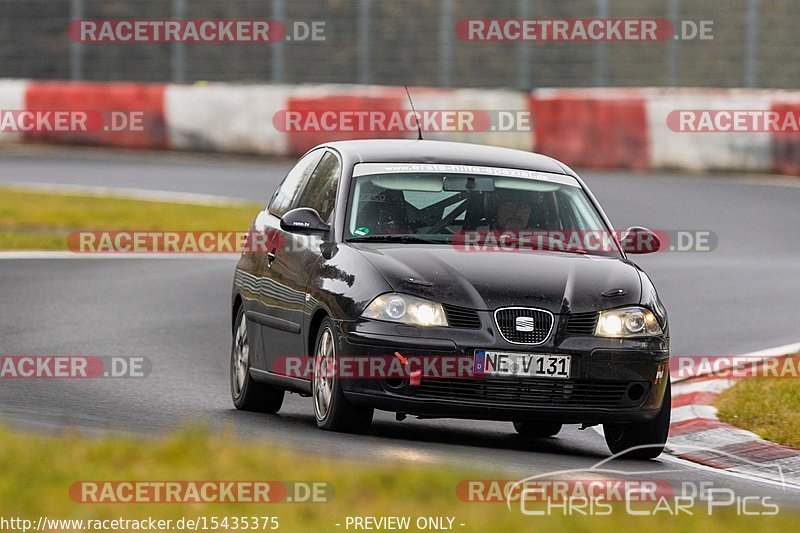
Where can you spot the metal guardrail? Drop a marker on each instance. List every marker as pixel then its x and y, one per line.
pixel 395 42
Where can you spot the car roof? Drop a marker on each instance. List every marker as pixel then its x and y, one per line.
pixel 423 151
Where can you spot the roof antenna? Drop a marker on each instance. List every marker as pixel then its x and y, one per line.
pixel 416 118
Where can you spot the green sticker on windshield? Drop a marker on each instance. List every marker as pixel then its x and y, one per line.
pixel 361 231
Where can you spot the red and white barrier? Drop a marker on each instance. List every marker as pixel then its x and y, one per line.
pixel 225 118
pixel 492 101
pixel 786 146
pixel 741 151
pixel 145 99
pixel 316 100
pixel 12 97
pixel 586 128
pixel 593 129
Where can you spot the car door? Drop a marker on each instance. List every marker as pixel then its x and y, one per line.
pixel 292 266
pixel 271 319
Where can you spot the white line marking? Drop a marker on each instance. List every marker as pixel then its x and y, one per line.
pixel 741 475
pixel 689 412
pixel 717 437
pixel 697 466
pixel 778 351
pixel 129 193
pixel 770 180
pixel 709 385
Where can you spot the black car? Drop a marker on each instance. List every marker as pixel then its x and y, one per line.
pixel 393 251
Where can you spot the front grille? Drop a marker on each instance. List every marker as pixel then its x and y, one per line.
pixel 459 317
pixel 581 324
pixel 537 321
pixel 529 392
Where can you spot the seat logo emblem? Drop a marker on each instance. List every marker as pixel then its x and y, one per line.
pixel 524 323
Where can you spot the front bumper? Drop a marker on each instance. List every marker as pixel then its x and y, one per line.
pixel 612 380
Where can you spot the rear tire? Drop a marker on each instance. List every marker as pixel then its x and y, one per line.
pixel 650 435
pixel 247 394
pixel 537 430
pixel 332 411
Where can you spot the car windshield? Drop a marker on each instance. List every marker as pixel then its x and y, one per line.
pixel 544 211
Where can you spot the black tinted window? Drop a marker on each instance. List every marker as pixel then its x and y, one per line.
pixel 283 199
pixel 320 191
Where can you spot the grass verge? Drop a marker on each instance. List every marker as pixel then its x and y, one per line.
pixel 34 220
pixel 769 407
pixel 37 471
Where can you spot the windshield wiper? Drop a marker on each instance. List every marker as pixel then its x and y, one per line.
pixel 396 238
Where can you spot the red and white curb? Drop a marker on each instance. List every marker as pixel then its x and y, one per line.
pixel 588 128
pixel 697 435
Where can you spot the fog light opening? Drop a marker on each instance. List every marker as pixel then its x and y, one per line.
pixel 635 392
pixel 395 383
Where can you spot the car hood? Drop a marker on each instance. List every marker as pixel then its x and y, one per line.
pixel 556 281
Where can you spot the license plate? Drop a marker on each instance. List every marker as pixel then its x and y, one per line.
pixel 522 364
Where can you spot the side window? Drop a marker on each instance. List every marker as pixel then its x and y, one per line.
pixel 320 191
pixel 283 199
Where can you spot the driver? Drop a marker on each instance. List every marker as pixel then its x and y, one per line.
pixel 512 210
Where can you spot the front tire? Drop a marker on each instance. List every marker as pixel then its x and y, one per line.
pixel 647 438
pixel 332 411
pixel 537 430
pixel 247 394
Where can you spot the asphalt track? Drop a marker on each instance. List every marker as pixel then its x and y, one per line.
pixel 738 298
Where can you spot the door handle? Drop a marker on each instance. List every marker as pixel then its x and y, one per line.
pixel 270 257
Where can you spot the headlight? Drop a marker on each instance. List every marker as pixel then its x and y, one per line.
pixel 406 309
pixel 627 322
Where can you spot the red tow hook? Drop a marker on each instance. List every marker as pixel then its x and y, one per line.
pixel 415 376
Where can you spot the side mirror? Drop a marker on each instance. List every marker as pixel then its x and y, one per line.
pixel 303 220
pixel 639 240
